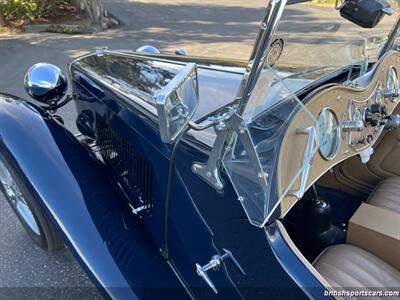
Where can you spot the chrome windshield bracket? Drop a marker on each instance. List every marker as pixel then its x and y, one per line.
pixel 232 128
pixel 215 264
pixel 307 160
pixel 210 171
pixel 219 121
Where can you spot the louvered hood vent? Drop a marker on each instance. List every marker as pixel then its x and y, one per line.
pixel 134 171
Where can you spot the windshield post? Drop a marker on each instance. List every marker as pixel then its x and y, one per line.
pixel 210 171
pixel 259 53
pixel 391 39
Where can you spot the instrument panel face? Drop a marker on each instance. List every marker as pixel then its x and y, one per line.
pixel 361 139
pixel 349 121
pixel 328 134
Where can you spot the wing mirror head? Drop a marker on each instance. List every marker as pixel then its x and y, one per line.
pixel 177 103
pixel 46 83
pixel 365 13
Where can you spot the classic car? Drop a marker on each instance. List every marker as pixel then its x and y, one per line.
pixel 209 178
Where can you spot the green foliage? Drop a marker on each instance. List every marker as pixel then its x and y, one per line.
pixel 14 10
pixel 18 9
pixel 48 8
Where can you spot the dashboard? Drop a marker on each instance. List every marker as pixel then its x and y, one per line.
pixel 349 120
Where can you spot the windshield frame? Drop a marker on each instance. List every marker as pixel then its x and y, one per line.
pixel 251 76
pixel 392 36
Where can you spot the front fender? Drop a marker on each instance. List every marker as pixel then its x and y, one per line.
pixel 76 195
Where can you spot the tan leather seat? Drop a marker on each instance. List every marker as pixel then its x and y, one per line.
pixel 346 267
pixel 387 194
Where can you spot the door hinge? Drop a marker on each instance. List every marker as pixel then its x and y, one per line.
pixel 214 264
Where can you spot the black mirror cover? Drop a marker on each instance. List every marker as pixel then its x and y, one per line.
pixel 365 13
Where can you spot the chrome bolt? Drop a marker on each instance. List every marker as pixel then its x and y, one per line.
pixel 221 126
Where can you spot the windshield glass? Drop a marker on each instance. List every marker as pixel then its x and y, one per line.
pixel 316 42
pixel 252 157
pixel 316 37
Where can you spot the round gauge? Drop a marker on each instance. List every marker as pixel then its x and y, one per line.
pixel 328 134
pixel 392 80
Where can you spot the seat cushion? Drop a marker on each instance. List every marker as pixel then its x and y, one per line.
pixel 346 266
pixel 387 194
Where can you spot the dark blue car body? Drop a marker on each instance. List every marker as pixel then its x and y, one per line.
pixel 150 254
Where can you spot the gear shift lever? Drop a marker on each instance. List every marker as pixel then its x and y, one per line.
pixel 316 199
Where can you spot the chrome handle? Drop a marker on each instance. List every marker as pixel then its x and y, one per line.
pixel 308 154
pixel 214 264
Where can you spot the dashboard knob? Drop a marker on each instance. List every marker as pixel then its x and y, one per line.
pixel 357 125
pixel 375 114
pixel 391 94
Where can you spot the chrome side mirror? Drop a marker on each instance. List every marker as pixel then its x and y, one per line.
pixel 45 83
pixel 177 103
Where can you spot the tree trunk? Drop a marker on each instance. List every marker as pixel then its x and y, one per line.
pixel 95 10
pixel 97 14
pixel 2 20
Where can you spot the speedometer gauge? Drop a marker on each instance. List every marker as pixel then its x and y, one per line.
pixel 328 134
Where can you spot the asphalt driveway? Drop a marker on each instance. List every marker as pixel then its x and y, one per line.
pixel 226 29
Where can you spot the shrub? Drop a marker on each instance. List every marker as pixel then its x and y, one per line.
pixel 18 9
pixel 48 8
pixel 15 10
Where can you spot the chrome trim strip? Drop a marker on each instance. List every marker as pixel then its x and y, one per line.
pixel 181 280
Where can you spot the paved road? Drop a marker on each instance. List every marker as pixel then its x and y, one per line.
pixel 226 29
